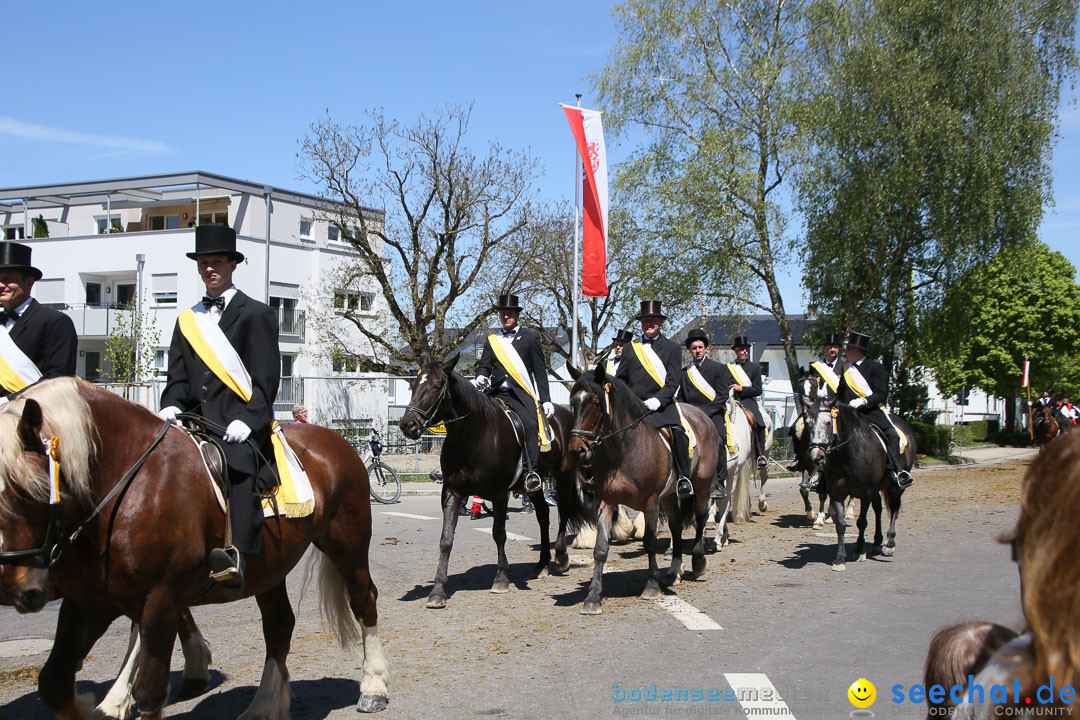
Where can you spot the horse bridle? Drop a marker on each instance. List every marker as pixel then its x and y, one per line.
pixel 49 553
pixel 597 439
pixel 832 445
pixel 426 416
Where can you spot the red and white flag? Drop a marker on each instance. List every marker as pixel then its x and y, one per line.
pixel 589 134
pixel 1027 370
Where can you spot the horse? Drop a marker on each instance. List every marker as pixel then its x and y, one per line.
pixel 850 456
pixel 1047 426
pixel 630 465
pixel 145 517
pixel 800 445
pixel 760 475
pixel 737 463
pixel 482 456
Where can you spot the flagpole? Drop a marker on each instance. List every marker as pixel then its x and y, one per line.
pixel 577 259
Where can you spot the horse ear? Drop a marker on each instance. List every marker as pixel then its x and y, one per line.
pixel 424 359
pixel 574 372
pixel 600 372
pixel 451 362
pixel 30 423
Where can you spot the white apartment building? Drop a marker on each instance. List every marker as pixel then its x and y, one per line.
pixel 114 243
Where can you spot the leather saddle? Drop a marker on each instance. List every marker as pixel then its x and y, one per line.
pixel 213 455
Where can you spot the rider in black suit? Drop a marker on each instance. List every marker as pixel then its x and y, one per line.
pixel 870 406
pixel 831 359
pixel 719 378
pixel 46 336
pixel 660 400
pixel 252 329
pixel 748 394
pixel 492 377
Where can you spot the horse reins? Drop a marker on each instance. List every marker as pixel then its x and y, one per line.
pixel 599 439
pixel 426 416
pixel 50 554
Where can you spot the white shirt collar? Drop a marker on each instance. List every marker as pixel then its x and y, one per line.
pixel 229 294
pixel 19 311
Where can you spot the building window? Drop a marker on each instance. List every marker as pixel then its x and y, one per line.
pixel 92 370
pixel 350 300
pixel 164 222
pixel 93 294
pixel 765 368
pixel 161 361
pixel 345 364
pixel 102 224
pixel 14 232
pixel 214 218
pixel 163 288
pixel 333 234
pixel 289 318
pixel 305 229
pixel 125 295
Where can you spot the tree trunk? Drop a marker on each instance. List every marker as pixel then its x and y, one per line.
pixel 1010 413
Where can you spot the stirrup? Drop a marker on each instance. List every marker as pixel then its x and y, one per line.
pixel 225 566
pixel 533 483
pixel 684 488
pixel 762 461
pixel 810 482
pixel 719 490
pixel 903 479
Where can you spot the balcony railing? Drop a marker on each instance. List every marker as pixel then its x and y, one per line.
pixel 290 392
pixel 95 319
pixel 291 324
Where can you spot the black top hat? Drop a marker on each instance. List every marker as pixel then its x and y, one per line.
pixel 215 240
pixel 740 341
pixel 651 308
pixel 508 302
pixel 833 339
pixel 623 336
pixel 16 256
pixel 697 334
pixel 859 341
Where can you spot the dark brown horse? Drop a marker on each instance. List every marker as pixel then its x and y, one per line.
pixel 1047 427
pixel 630 465
pixel 145 555
pixel 481 456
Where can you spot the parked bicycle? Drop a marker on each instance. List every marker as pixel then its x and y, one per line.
pixel 385 485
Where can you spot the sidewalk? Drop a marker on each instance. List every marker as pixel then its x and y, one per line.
pixel 978 456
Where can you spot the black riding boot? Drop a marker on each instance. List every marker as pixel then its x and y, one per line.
pixel 762 461
pixel 680 453
pixel 719 491
pixel 902 477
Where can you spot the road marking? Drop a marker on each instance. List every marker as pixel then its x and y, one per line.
pixel 757 696
pixel 687 614
pixel 410 515
pixel 509 535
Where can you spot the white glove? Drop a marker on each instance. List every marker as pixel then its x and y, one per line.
pixel 857 402
pixel 549 409
pixel 481 382
pixel 170 413
pixel 3 401
pixel 653 404
pixel 237 432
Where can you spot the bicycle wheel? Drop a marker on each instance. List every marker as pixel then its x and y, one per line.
pixel 385 486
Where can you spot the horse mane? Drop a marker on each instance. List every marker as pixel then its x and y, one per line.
pixel 65 415
pixel 475 401
pixel 625 405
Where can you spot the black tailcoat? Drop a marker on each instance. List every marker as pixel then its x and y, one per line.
pixel 641 383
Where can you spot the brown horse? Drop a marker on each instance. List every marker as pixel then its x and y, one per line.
pixel 145 554
pixel 631 466
pixel 1047 426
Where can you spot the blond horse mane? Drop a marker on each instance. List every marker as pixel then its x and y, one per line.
pixel 66 415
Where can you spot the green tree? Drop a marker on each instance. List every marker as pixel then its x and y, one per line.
pixel 130 345
pixel 716 86
pixel 1022 305
pixel 933 126
pixel 41 228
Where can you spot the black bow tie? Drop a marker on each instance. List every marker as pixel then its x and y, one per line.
pixel 6 315
pixel 509 333
pixel 646 340
pixel 208 302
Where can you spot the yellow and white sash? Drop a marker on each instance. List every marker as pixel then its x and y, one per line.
pixel 698 380
pixel 508 356
pixel 16 370
pixel 650 361
pixel 294 496
pixel 831 378
pixel 689 430
pixel 739 374
pixel 857 382
pixel 611 366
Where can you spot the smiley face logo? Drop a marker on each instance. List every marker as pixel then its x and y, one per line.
pixel 862 693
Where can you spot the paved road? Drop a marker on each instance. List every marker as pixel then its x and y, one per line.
pixel 776 617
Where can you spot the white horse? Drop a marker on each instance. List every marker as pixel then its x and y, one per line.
pixel 739 466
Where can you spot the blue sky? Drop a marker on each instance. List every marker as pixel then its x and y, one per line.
pixel 98 90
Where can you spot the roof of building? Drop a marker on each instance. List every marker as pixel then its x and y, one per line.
pixel 759 328
pixel 144 188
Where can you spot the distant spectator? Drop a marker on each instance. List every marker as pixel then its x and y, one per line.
pixel 299 413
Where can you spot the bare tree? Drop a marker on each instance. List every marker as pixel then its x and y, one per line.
pixel 448 212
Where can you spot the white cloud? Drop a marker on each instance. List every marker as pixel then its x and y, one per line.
pixel 33 131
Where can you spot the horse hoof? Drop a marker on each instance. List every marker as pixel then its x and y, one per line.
pixel 710 545
pixel 839 567
pixel 590 608
pixel 372 703
pixel 699 565
pixel 651 591
pixel 501 587
pixel 860 557
pixel 541 571
pixel 669 578
pixel 562 565
pixel 193 687
pixel 811 516
pixel 436 602
pixel 888 550
pixel 762 506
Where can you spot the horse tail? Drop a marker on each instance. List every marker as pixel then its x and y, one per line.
pixel 334 604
